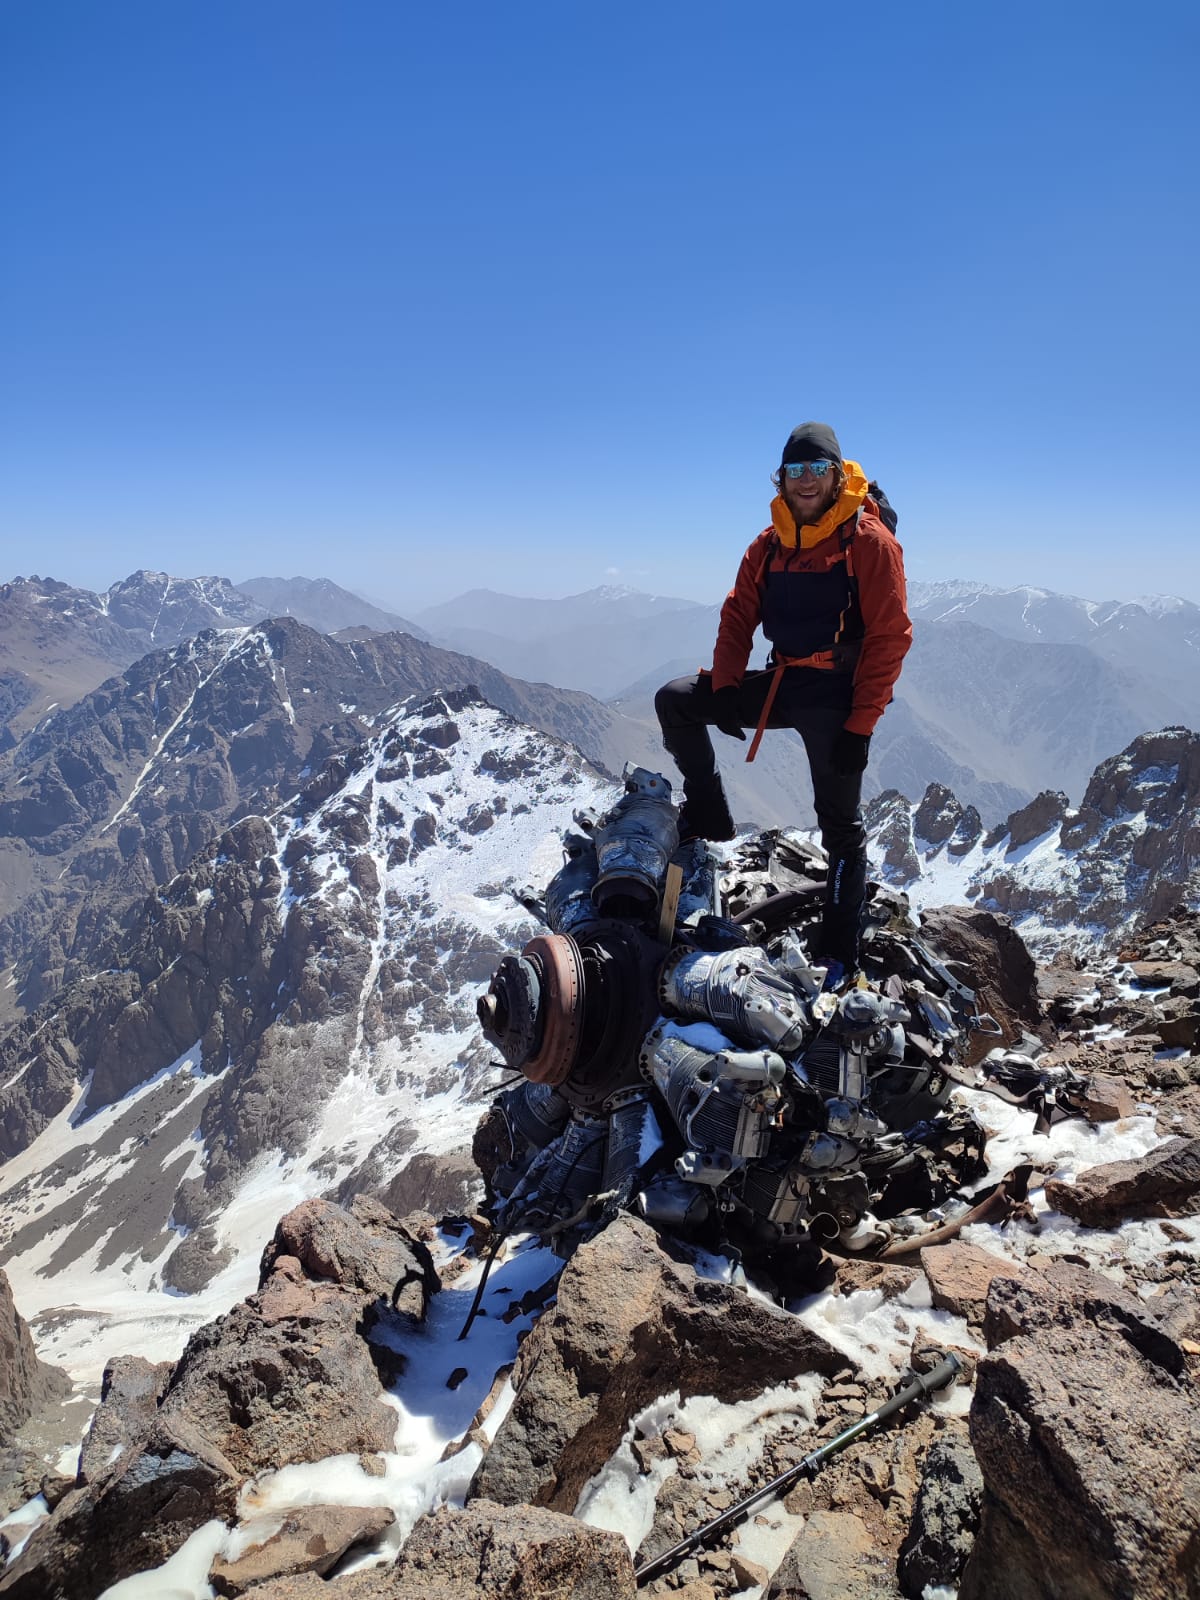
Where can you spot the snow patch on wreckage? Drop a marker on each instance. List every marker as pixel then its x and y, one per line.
pixel 682 1055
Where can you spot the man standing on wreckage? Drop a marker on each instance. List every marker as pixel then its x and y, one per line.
pixel 826 582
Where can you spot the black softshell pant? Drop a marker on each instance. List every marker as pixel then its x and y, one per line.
pixel 815 704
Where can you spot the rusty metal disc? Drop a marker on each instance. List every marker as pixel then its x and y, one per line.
pixel 556 956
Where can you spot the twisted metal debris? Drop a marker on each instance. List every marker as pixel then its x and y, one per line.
pixel 683 1057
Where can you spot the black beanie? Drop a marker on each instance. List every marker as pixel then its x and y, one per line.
pixel 812 441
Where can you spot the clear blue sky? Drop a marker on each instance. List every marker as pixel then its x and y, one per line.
pixel 528 295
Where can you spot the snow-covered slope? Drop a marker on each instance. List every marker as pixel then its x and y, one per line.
pixel 1128 853
pixel 303 993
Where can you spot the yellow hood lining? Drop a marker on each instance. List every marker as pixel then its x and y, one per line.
pixel 854 492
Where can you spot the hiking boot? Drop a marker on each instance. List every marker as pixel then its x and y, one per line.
pixel 704 814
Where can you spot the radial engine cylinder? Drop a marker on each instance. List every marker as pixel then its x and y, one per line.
pixel 569 904
pixel 634 843
pixel 724 1102
pixel 740 991
pixel 572 1172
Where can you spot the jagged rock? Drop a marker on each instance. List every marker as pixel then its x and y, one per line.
pixel 888 818
pixel 1106 1099
pixel 134 1517
pixel 1002 971
pixel 366 1248
pixel 630 1323
pixel 890 1278
pixel 1054 1297
pixel 26 1383
pixel 1165 1183
pixel 834 1557
pixel 20 1478
pixel 1042 813
pixel 285 1376
pixel 1176 976
pixel 945 1517
pixel 938 814
pixel 129 1394
pixel 444 1185
pixel 312 1539
pixel 195 1261
pixel 518 1552
pixel 960 1275
pixel 1088 1440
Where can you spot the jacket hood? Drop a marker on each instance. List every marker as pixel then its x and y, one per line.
pixel 854 492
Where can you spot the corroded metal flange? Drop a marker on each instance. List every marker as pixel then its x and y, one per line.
pixel 556 958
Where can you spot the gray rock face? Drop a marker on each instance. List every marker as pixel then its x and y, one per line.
pixel 1086 1432
pixel 134 1517
pixel 630 1323
pixel 129 1394
pixel 518 1552
pixel 26 1384
pixel 1164 1183
pixel 945 1518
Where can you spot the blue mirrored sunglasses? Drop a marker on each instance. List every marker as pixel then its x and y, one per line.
pixel 797 469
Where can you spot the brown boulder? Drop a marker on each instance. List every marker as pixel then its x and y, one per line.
pixel 1089 1444
pixel 1176 976
pixel 518 1552
pixel 1105 1099
pixel 834 1558
pixel 1002 972
pixel 960 1275
pixel 630 1323
pixel 312 1539
pixel 366 1248
pixel 285 1376
pixel 1165 1183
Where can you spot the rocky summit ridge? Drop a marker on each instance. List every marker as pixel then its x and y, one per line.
pixel 112 796
pixel 1067 876
pixel 600 1409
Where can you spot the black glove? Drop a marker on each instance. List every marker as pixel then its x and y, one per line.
pixel 849 754
pixel 727 711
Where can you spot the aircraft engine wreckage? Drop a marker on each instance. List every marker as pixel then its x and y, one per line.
pixel 681 1057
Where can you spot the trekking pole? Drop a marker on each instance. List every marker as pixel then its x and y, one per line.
pixel 944 1373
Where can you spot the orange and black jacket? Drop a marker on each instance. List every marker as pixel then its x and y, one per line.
pixel 833 589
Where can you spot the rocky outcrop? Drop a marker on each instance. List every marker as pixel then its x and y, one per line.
pixel 630 1323
pixel 991 955
pixel 520 1551
pixel 26 1384
pixel 310 1539
pixel 945 1518
pixel 134 1517
pixel 1085 1428
pixel 289 1375
pixel 129 1395
pixel 1043 813
pixel 1165 1183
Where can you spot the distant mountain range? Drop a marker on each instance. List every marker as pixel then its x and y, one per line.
pixel 1005 692
pixel 57 641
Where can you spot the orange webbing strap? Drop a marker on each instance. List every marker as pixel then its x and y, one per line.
pixel 822 659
